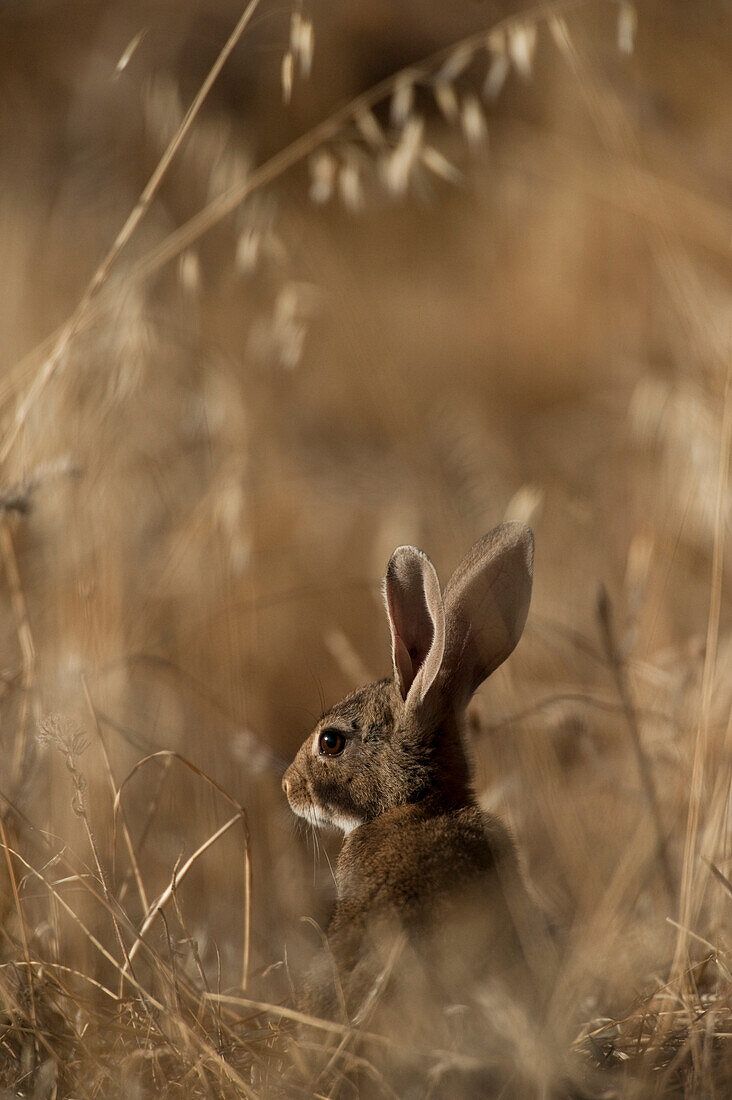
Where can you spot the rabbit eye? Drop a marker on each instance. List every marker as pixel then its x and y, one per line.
pixel 331 742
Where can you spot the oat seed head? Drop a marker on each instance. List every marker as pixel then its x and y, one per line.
pixel 396 167
pixel 456 64
pixel 370 129
pixel 402 100
pixel 498 70
pixel 522 39
pixel 559 31
pixel 129 51
pixel 248 251
pixel 447 101
pixel 627 27
pixel 189 272
pixel 434 160
pixel 350 187
pixel 323 169
pixel 472 120
pixel 287 76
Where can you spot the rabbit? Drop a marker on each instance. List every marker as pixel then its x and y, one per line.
pixel 429 886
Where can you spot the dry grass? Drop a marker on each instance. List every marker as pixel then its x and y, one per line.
pixel 495 284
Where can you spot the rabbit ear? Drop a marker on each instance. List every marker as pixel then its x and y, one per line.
pixel 486 604
pixel 416 620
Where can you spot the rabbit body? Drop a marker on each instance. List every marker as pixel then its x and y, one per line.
pixel 424 876
pixel 429 891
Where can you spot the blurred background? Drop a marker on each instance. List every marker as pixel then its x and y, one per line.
pixel 526 316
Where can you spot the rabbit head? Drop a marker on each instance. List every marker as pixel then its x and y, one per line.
pixel 398 740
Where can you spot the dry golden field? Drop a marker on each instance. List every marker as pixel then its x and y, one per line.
pixel 360 275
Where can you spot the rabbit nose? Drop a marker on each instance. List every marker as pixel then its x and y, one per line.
pixel 290 782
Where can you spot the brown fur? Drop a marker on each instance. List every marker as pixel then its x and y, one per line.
pixel 422 872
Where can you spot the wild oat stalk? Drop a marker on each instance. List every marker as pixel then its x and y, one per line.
pixel 84 312
pixel 511 39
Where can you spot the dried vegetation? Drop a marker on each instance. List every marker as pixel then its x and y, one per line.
pixel 493 285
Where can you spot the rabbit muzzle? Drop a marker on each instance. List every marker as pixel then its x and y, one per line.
pixel 300 798
pixel 295 788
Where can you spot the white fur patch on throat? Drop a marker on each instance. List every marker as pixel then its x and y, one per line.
pixel 332 819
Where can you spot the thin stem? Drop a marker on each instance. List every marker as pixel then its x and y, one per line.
pixel 604 613
pixel 100 276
